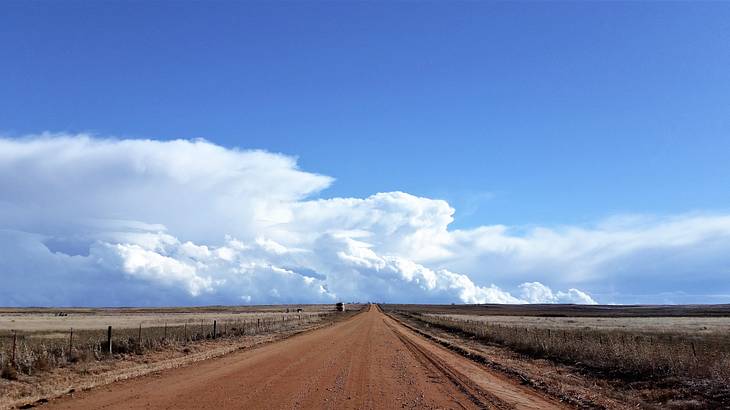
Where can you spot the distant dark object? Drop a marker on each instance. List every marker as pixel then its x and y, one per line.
pixel 61 314
pixel 299 309
pixel 340 307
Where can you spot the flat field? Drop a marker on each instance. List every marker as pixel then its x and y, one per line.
pixel 549 310
pixel 667 324
pixel 47 320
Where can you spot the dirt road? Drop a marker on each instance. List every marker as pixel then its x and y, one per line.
pixel 367 362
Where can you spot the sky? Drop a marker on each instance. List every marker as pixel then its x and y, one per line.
pixel 261 152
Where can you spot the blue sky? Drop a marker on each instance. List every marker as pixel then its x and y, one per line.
pixel 521 114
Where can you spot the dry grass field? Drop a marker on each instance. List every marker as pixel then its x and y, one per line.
pixel 48 319
pixel 679 356
pixel 649 325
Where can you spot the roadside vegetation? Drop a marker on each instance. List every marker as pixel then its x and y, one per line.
pixel 687 363
pixel 28 352
pixel 629 353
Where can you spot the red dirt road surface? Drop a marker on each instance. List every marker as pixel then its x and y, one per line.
pixel 369 361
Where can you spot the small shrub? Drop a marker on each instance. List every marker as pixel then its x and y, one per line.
pixel 123 346
pixel 42 364
pixel 8 372
pixel 74 357
pixel 80 356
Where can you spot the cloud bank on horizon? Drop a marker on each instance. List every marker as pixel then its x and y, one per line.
pixel 91 221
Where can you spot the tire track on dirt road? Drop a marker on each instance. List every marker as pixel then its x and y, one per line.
pixel 475 394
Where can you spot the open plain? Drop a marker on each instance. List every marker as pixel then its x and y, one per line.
pixel 393 356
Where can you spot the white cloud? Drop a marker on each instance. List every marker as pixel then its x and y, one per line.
pixel 149 265
pixel 51 180
pixel 536 292
pixel 104 221
pixel 616 257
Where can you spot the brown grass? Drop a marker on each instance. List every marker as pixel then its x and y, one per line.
pixel 618 352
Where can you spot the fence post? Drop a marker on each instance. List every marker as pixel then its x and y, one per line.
pixel 109 338
pixel 214 325
pixel 185 327
pixel 258 325
pixel 139 336
pixel 164 338
pixel 15 338
pixel 71 341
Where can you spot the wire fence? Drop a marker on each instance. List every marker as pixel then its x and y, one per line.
pixel 30 352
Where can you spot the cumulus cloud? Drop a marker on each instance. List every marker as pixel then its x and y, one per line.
pixel 536 292
pixel 53 182
pixel 626 259
pixel 85 220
